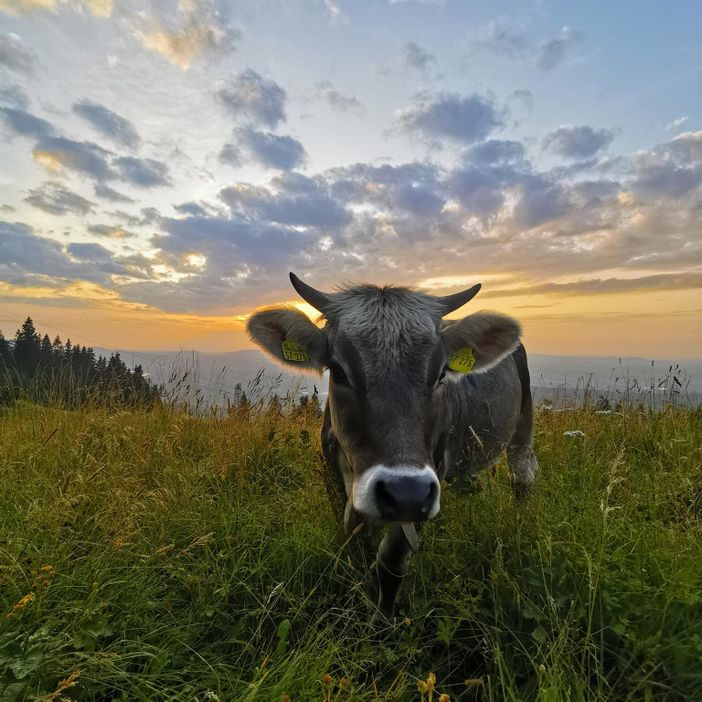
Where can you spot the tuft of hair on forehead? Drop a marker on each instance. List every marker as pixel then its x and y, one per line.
pixel 389 318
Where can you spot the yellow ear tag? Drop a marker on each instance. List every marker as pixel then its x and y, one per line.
pixel 462 361
pixel 292 351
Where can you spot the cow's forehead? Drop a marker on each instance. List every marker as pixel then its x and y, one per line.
pixel 385 322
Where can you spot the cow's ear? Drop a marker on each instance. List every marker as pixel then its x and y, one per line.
pixel 480 341
pixel 289 337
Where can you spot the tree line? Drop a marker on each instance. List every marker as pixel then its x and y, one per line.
pixel 36 368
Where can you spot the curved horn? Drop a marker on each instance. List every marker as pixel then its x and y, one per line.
pixel 450 303
pixel 316 298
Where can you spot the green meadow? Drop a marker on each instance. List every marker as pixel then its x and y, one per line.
pixel 156 555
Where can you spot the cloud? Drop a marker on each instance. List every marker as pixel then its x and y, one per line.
pixel 412 57
pixel 26 124
pixel 294 200
pixel 57 152
pixel 672 169
pixel 55 199
pixel 15 55
pixel 417 57
pixel 498 38
pixel 496 151
pixel 107 193
pixel 13 96
pixel 191 208
pixel 412 188
pixel 676 123
pixel 272 151
pixel 250 96
pixel 107 122
pixel 110 231
pixel 145 172
pixel 578 142
pixel 452 116
pixel 605 286
pixel 340 102
pixel 230 154
pixel 551 53
pixel 24 256
pixel 200 28
pixel 504 39
pixel 100 8
pixel 21 251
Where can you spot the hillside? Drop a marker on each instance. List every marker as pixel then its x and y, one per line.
pixel 155 555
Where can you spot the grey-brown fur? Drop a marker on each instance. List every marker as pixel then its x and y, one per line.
pixel 389 422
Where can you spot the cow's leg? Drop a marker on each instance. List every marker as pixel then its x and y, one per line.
pixel 523 467
pixel 392 566
pixel 520 451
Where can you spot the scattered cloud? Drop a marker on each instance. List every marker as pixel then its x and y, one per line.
pixel 110 231
pixel 99 8
pixel 145 172
pixel 15 55
pixel 293 200
pixel 676 123
pixel 462 118
pixel 580 142
pixel 26 124
pixel 418 58
pixel 107 122
pixel 271 150
pixel 250 96
pixel 412 57
pixel 340 102
pixel 199 29
pixel 58 152
pixel 55 199
pixel 230 155
pixel 604 286
pixel 551 53
pixel 107 193
pixel 503 38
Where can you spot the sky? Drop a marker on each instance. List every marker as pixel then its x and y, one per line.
pixel 165 164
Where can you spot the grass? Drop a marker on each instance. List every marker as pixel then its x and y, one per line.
pixel 157 555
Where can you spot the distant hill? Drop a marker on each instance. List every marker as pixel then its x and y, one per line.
pixel 216 375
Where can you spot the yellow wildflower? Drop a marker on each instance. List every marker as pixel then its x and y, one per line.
pixel 19 606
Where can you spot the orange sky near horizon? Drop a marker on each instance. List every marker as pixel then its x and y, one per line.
pixel 649 324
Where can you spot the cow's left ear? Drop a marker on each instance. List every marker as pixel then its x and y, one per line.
pixel 290 338
pixel 480 341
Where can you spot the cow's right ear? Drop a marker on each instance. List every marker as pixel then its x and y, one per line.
pixel 289 337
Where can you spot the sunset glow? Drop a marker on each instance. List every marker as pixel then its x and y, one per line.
pixel 165 165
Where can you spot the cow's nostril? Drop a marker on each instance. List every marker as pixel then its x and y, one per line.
pixel 387 502
pixel 429 500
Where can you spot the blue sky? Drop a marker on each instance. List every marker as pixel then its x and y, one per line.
pixel 173 160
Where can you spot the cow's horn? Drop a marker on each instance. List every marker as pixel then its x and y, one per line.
pixel 450 303
pixel 316 298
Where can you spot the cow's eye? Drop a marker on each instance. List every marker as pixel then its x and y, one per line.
pixel 442 376
pixel 337 373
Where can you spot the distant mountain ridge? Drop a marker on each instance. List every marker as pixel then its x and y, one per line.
pixel 217 374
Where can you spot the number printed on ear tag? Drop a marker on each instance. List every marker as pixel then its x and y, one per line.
pixel 292 351
pixel 462 361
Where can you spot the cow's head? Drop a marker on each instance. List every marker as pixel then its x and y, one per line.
pixel 389 354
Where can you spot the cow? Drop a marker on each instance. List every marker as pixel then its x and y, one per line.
pixel 414 399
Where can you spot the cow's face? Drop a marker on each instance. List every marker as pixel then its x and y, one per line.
pixel 386 350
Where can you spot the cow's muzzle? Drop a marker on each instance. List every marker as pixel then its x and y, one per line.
pixel 398 493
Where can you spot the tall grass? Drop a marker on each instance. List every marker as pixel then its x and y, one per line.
pixel 166 556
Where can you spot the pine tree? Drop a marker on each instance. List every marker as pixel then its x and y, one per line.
pixel 6 357
pixel 27 349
